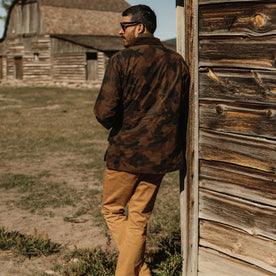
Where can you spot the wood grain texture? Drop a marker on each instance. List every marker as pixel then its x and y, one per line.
pixel 239 244
pixel 205 2
pixel 254 218
pixel 241 150
pixel 213 263
pixel 238 85
pixel 243 19
pixel 246 183
pixel 242 118
pixel 189 194
pixel 238 52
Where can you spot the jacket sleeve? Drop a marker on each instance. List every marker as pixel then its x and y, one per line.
pixel 107 108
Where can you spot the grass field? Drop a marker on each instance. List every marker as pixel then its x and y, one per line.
pixel 51 170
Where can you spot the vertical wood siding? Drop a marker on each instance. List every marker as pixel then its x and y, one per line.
pixel 67 67
pixel 25 18
pixel 237 138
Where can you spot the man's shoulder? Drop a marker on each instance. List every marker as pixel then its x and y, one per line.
pixel 126 53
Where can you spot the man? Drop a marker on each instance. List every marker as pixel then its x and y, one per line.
pixel 142 100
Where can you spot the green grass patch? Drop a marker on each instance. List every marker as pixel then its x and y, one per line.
pixel 166 261
pixel 27 245
pixel 87 262
pixel 57 127
pixel 37 194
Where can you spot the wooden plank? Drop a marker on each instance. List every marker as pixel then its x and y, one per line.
pixel 256 219
pixel 241 150
pixel 213 263
pixel 242 118
pixel 238 181
pixel 238 52
pixel 238 85
pixel 205 2
pixel 243 19
pixel 239 244
pixel 1 68
pixel 189 189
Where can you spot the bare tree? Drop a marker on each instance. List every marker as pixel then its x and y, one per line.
pixel 5 4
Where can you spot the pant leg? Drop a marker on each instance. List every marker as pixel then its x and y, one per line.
pixel 132 249
pixel 118 188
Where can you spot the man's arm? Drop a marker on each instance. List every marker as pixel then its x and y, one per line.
pixel 108 103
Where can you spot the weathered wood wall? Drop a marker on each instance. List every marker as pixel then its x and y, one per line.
pixel 26 18
pixel 1 67
pixel 237 138
pixel 44 58
pixel 37 59
pixel 69 61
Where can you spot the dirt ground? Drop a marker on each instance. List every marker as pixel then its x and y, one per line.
pixel 18 158
pixel 81 235
pixel 53 130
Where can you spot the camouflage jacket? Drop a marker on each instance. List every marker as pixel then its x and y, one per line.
pixel 143 99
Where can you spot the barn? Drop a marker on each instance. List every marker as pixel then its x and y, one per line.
pixel 228 197
pixel 59 41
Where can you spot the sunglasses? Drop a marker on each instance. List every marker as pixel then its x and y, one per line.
pixel 125 25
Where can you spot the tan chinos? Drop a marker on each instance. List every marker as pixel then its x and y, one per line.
pixel 139 191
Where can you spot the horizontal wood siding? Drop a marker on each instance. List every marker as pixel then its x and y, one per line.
pixel 232 241
pixel 60 47
pixel 4 68
pixel 244 20
pixel 238 181
pixel 255 218
pixel 69 67
pixel 37 60
pixel 238 52
pixel 15 48
pixel 35 54
pixel 238 85
pixel 256 153
pixel 237 138
pixel 204 2
pixel 242 118
pixel 223 265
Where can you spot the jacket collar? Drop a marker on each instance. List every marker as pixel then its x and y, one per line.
pixel 146 39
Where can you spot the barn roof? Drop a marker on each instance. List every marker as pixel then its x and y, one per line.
pixel 69 21
pixel 103 43
pixel 97 5
pixel 82 17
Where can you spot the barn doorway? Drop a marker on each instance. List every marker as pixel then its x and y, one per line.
pixel 18 68
pixel 91 66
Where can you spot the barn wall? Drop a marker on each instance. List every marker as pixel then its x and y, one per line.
pixel 15 48
pixel 37 60
pixel 70 63
pixel 25 19
pixel 68 67
pixel 31 54
pixel 102 61
pixel 35 54
pixel 237 130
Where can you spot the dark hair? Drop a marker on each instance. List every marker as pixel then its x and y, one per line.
pixel 143 14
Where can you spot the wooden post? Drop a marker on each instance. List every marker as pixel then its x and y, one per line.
pixel 187 45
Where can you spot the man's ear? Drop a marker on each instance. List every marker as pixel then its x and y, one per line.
pixel 141 29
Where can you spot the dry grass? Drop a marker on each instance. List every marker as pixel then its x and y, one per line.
pixel 51 165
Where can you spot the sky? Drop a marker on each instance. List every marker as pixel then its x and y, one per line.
pixel 165 12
